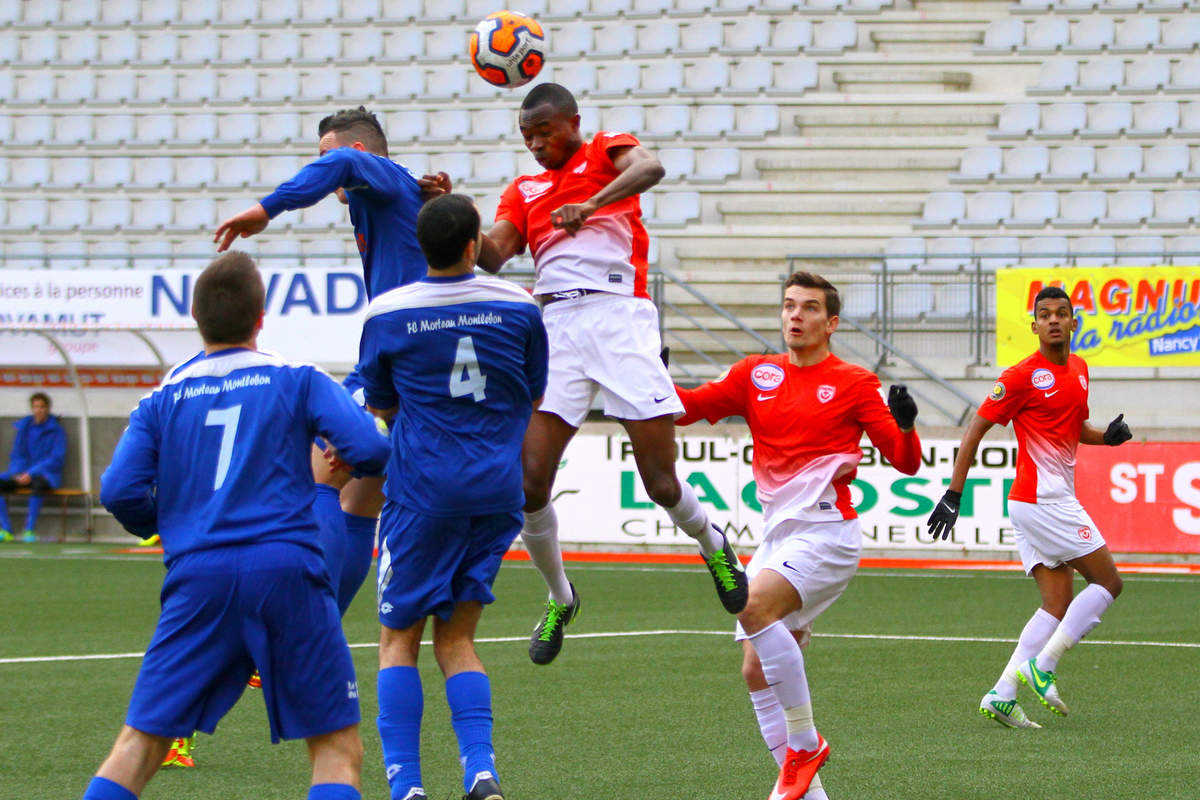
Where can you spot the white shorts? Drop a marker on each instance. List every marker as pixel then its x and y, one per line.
pixel 607 343
pixel 1052 533
pixel 817 558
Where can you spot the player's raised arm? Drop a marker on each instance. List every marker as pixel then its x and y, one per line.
pixel 945 513
pixel 890 426
pixel 715 400
pixel 498 245
pixel 352 431
pixel 639 170
pixel 127 486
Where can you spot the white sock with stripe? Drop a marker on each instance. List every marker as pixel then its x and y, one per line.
pixel 783 667
pixel 1082 615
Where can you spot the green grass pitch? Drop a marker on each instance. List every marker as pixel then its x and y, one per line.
pixel 660 715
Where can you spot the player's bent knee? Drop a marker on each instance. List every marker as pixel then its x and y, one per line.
pixel 663 489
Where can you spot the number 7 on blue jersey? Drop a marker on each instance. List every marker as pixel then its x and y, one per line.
pixel 227 418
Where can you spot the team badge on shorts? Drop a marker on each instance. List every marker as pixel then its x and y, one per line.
pixel 998 391
pixel 1085 533
pixel 825 392
pixel 1043 379
pixel 766 377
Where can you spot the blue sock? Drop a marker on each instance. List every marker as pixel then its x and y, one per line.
pixel 331 530
pixel 401 704
pixel 333 791
pixel 104 789
pixel 35 508
pixel 469 695
pixel 356 558
pixel 5 525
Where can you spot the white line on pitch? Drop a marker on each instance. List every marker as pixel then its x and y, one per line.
pixel 629 634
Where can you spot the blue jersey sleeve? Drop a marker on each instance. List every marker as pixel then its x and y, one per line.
pixel 352 431
pixel 537 358
pixel 18 461
pixel 343 168
pixel 374 365
pixel 127 487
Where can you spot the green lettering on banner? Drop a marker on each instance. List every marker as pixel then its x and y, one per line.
pixel 628 487
pixel 1008 482
pixel 870 495
pixel 750 496
pixel 706 492
pixel 966 507
pixel 922 505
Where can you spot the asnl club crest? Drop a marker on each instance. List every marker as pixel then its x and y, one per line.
pixel 766 377
pixel 825 392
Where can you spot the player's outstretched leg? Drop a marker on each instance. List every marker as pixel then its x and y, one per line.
pixel 1044 686
pixel 540 537
pixel 401 705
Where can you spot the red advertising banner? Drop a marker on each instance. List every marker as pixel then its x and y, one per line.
pixel 1144 497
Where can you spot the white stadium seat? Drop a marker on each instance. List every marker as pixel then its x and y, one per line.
pixel 73 129
pixel 403 82
pixel 572 39
pixel 666 121
pixel 361 86
pixel 27 213
pixel 706 76
pixel 997 252
pixel 1091 34
pixel 948 252
pixel 1185 75
pixel 237 128
pixel 1033 209
pixel 195 171
pixel 616 41
pixel 1047 35
pixel 942 208
pixel 112 171
pixel 239 46
pixel 199 47
pixel 712 122
pixel 1164 162
pixel 155 128
pixel 1056 75
pixel 658 36
pixel 834 36
pixel 196 128
pixel 118 47
pixel 323 45
pixel 700 37
pixel 237 171
pixel 446 81
pixel 1176 207
pixel 953 301
pixel 1100 75
pixel 754 121
pixel 274 170
pixel 1140 251
pixel 715 164
pixel 618 78
pixel 979 164
pixel 1017 120
pixel 152 172
pixel 661 77
pixel 578 76
pixel 1069 163
pixel 1003 35
pixel 790 35
pixel 904 253
pixel 1118 162
pixel 623 118
pixel 1100 251
pixel 1081 209
pixel 196 85
pixel 405 126
pixel 1062 120
pixel 191 213
pixel 33 87
pixel 158 47
pixel 1106 120
pixel 1181 33
pixel 110 212
pixel 1136 34
pixel 71 171
pixel 1025 163
pixel 748 35
pixel 38 47
pixel 448 125
pixel 279 45
pixel 75 47
pixel 155 87
pixel 31 171
pixel 1184 250
pixel 1147 74
pixel 678 162
pixel 676 208
pixel 495 168
pixel 1129 208
pixel 493 125
pixel 1044 252
pixel 794 76
pixel 751 76
pixel 1154 118
pixel 66 213
pixel 987 209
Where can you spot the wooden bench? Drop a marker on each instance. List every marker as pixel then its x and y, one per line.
pixel 63 496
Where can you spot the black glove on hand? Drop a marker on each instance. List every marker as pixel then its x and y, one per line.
pixel 903 407
pixel 944 515
pixel 1117 432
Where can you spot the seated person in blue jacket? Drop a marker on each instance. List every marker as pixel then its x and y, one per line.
pixel 36 463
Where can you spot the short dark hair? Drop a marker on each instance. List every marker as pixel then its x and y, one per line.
pixel 810 280
pixel 444 227
pixel 227 300
pixel 1051 293
pixel 45 398
pixel 359 124
pixel 551 93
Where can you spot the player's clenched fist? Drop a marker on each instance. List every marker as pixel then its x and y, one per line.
pixel 902 406
pixel 944 515
pixel 1117 432
pixel 571 217
pixel 251 221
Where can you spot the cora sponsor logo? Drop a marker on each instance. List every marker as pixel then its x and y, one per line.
pixel 766 377
pixel 1043 379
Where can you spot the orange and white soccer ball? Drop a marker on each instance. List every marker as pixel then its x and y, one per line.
pixel 508 48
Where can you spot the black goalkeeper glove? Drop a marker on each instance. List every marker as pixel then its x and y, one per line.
pixel 902 406
pixel 944 515
pixel 1117 432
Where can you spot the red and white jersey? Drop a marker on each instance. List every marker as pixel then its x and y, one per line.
pixel 1047 405
pixel 806 423
pixel 609 252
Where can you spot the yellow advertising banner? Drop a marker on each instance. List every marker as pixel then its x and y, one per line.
pixel 1128 316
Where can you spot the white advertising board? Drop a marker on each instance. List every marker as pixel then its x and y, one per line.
pixel 600 499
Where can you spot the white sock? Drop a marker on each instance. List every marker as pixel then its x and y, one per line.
pixel 1034 635
pixel 771 722
pixel 815 790
pixel 1082 615
pixel 540 537
pixel 783 667
pixel 690 518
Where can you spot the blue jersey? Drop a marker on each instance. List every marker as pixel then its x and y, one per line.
pixel 219 454
pixel 464 359
pixel 384 202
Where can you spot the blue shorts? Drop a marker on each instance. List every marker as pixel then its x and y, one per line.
pixel 428 564
pixel 228 610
